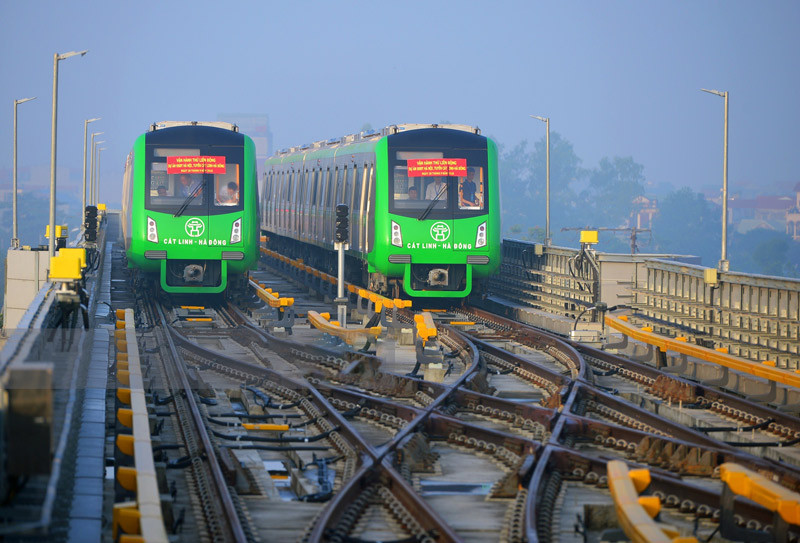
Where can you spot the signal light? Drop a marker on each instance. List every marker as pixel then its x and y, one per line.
pixel 90 224
pixel 342 223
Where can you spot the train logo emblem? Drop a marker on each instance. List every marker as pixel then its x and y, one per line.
pixel 195 227
pixel 440 231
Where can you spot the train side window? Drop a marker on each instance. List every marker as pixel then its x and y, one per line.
pixel 329 186
pixel 266 189
pixel 355 208
pixel 287 194
pixel 356 191
pixel 300 180
pixel 312 196
pixel 334 187
pixel 347 191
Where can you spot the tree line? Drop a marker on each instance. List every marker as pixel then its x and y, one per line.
pixel 603 197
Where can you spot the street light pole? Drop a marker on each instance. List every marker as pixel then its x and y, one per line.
pixel 97 179
pixel 83 193
pixel 14 230
pixel 546 120
pixel 723 262
pixel 56 58
pixel 91 166
pixel 93 188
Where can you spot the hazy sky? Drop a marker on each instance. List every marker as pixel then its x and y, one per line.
pixel 616 78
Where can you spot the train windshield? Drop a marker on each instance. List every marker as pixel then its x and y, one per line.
pixel 193 181
pixel 438 185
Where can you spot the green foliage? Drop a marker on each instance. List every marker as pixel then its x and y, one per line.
pixel 765 252
pixel 613 185
pixel 523 175
pixel 688 224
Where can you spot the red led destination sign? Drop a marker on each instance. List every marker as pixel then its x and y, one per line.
pixel 434 167
pixel 195 164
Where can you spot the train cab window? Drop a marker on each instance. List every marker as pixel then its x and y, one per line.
pixel 438 184
pixel 190 179
pixel 471 189
pixel 226 187
pixel 419 192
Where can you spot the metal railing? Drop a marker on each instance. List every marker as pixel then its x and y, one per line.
pixel 752 316
pixel 566 281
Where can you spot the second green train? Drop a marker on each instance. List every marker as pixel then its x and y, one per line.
pixel 423 201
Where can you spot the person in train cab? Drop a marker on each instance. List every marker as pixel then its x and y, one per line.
pixel 435 188
pixel 162 190
pixel 188 184
pixel 467 197
pixel 229 194
pixel 412 193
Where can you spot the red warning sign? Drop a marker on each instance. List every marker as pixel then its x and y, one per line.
pixel 196 164
pixel 434 167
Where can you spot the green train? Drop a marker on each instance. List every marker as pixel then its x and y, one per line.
pixel 423 199
pixel 190 206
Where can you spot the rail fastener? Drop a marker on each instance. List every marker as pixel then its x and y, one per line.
pixel 349 335
pixel 636 513
pixel 426 327
pixel 740 481
pixel 764 371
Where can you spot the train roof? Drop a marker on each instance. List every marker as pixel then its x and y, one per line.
pixel 372 135
pixel 213 124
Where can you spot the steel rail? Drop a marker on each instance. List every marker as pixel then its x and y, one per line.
pixel 442 529
pixel 373 463
pixel 582 379
pixel 234 526
pixel 710 394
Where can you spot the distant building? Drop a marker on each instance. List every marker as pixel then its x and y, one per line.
pixel 780 213
pixel 644 210
pixel 764 208
pixel 746 225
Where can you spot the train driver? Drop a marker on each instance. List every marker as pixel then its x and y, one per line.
pixel 228 194
pixel 435 188
pixel 467 198
pixel 188 184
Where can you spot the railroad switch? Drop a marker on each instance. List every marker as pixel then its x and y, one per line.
pixel 195 315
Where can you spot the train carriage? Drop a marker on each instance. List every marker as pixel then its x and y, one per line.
pixel 190 206
pixel 423 200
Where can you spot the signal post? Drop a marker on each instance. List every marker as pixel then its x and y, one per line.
pixel 341 237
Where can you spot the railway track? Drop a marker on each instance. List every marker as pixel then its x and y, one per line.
pixel 512 445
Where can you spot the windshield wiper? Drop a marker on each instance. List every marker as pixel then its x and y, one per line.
pixel 433 203
pixel 188 200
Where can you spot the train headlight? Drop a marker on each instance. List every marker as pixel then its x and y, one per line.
pixel 152 230
pixel 480 239
pixel 236 231
pixel 397 235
